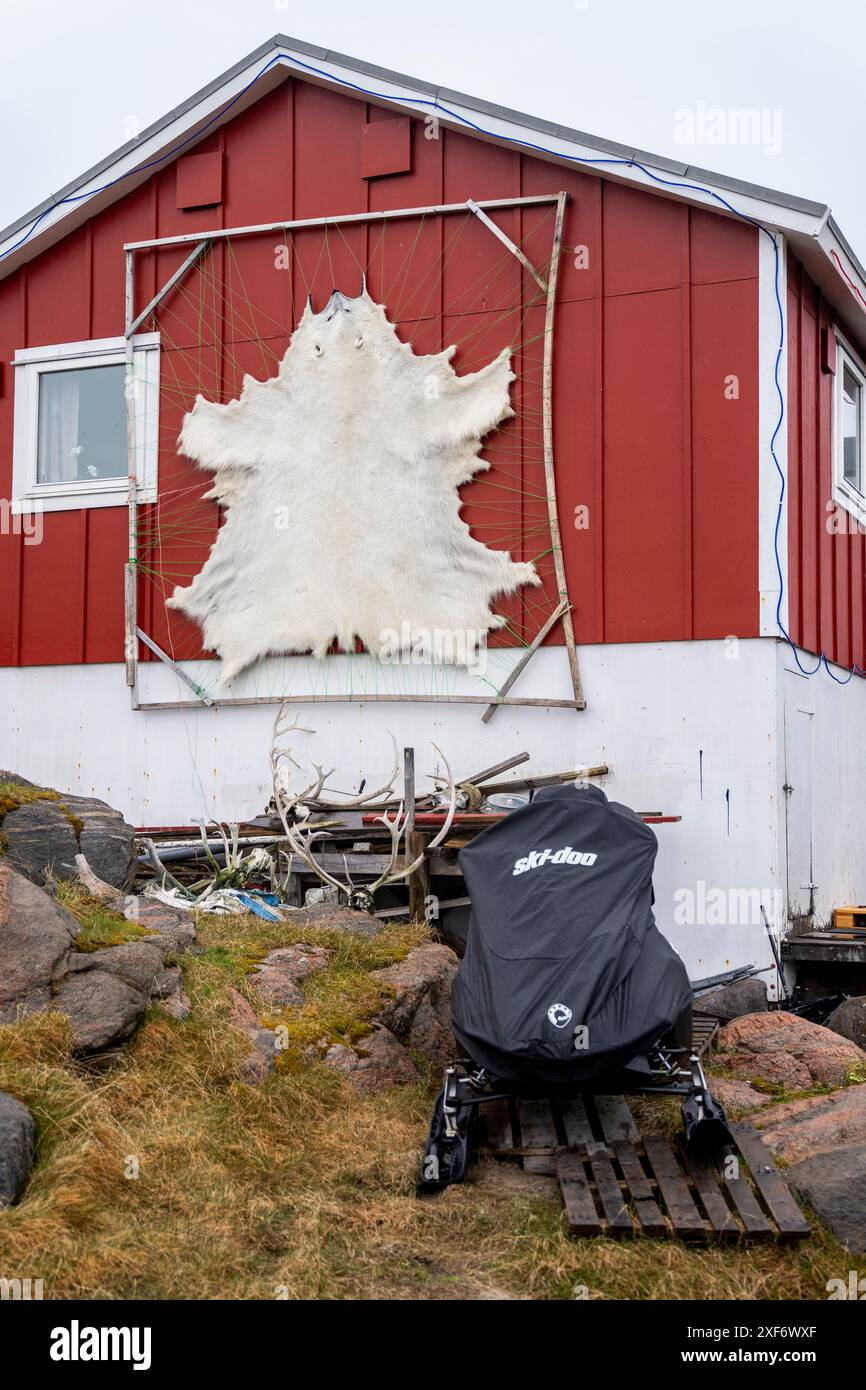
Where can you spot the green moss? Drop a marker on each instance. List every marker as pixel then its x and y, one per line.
pixel 340 1001
pixel 13 795
pixel 780 1093
pixel 101 924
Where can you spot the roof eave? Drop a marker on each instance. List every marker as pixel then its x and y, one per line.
pixel 808 224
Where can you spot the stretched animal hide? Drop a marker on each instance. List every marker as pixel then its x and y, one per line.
pixel 340 478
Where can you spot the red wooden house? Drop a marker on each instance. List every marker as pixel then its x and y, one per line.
pixel 704 422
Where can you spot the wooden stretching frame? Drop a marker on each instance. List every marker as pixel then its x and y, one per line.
pixel 199 243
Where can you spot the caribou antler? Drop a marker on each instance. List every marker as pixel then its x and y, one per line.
pixel 311 795
pixel 300 838
pixel 397 828
pixel 280 756
pixel 353 803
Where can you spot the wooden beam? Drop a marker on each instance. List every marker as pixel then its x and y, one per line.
pixel 167 287
pixel 506 241
pixel 486 773
pixel 372 865
pixel 416 843
pixel 549 469
pixel 527 655
pixel 173 666
pixel 409 787
pixel 553 779
pixel 339 220
pixel 361 699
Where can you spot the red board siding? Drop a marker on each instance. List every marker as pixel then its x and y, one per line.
pixel 825 565
pixel 657 307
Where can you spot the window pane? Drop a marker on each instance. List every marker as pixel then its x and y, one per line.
pixel 851 442
pixel 82 425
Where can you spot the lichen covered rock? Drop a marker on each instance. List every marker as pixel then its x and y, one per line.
pixel 104 993
pixel 44 829
pixel 789 1051
pixel 17 1148
pixel 376 1063
pixel 276 978
pixel 849 1020
pixel 419 1015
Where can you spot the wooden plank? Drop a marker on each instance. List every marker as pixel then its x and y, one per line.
pixel 575 1123
pixel 537 1127
pixel 416 844
pixel 577 1198
pixel 555 779
pixel 372 865
pixel 652 1223
pixel 524 659
pixel 486 773
pixel 749 1209
pixel 506 241
pixel 167 287
pixel 770 1183
pixel 537 1131
pixel 549 465
pixel 615 1118
pixel 173 666
pixel 685 1218
pixel 611 1196
pixel 388 214
pixel 497 1134
pixel 706 1181
pixel 367 699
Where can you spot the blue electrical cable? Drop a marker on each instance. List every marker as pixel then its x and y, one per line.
pixel 822 660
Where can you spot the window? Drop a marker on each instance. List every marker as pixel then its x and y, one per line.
pixel 70 446
pixel 849 469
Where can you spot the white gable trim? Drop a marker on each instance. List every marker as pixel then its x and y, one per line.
pixel 269 65
pixel 772 435
pixel 809 227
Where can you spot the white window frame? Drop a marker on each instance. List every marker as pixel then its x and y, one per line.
pixel 844 492
pixel 30 364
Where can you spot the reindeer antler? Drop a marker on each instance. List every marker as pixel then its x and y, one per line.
pixel 300 839
pixel 352 803
pixel 281 755
pixel 397 827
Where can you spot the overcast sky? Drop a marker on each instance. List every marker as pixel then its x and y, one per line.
pixel 660 74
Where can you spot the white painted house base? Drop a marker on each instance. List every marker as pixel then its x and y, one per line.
pixel 709 731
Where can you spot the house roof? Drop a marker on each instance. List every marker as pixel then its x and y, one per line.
pixel 809 226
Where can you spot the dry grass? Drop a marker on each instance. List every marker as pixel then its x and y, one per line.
pixel 299 1187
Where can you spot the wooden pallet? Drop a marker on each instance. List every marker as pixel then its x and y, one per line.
pixel 617 1183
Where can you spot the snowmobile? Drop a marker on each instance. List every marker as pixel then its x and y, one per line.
pixel 566 985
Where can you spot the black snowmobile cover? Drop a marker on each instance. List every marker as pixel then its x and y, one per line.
pixel 566 975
